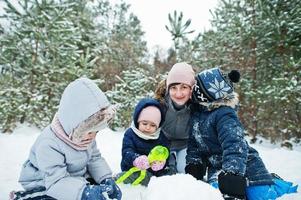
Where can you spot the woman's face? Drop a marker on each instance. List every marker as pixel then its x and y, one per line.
pixel 180 93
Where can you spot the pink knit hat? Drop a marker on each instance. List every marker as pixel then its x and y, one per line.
pixel 150 113
pixel 181 73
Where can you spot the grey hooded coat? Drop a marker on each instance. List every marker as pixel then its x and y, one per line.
pixel 55 165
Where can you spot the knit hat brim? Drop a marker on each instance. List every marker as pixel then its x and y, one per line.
pixel 150 113
pixel 181 73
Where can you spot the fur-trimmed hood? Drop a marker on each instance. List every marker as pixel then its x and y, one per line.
pixel 80 100
pixel 231 100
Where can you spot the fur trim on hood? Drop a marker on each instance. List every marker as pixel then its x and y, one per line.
pixel 89 124
pixel 160 91
pixel 94 123
pixel 231 100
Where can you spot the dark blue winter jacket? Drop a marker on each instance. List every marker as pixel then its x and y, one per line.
pixel 134 146
pixel 217 140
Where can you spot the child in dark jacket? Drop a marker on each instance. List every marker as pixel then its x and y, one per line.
pixel 217 143
pixel 143 135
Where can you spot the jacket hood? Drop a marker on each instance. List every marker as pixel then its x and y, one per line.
pixel 81 99
pixel 145 103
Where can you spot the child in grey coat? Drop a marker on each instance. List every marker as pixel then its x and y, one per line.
pixel 65 156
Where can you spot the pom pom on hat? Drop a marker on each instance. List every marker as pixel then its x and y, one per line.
pixel 150 113
pixel 234 76
pixel 181 73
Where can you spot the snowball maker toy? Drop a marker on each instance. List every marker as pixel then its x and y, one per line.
pixel 158 153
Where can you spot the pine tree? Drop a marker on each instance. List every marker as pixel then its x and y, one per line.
pixel 261 39
pixel 39 53
pixel 178 30
pixel 124 47
pixel 133 86
pixel 50 43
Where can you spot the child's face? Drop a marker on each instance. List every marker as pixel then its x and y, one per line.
pixel 147 127
pixel 88 137
pixel 180 93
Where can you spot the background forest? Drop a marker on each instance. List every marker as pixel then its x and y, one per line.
pixel 52 42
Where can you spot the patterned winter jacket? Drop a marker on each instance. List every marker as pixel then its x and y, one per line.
pixel 134 146
pixel 55 165
pixel 217 140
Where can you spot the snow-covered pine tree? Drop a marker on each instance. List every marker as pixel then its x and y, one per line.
pixel 261 39
pixel 133 85
pixel 48 44
pixel 124 47
pixel 279 56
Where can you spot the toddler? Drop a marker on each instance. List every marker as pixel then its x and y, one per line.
pixel 143 135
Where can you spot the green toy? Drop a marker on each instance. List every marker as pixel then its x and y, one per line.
pixel 158 153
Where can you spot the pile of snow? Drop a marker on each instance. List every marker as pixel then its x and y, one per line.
pixel 15 149
pixel 180 186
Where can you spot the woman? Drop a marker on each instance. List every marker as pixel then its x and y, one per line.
pixel 175 96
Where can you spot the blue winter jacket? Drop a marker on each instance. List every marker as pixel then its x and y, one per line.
pixel 217 140
pixel 134 146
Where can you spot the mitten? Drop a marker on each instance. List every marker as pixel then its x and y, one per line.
pixel 198 171
pixel 141 162
pixel 158 165
pixel 232 185
pixel 94 192
pixel 115 193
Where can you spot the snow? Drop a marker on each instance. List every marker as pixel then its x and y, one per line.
pixel 15 148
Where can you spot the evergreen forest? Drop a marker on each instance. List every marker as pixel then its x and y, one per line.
pixel 49 43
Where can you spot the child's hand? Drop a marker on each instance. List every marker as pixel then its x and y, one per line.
pixel 232 185
pixel 96 192
pixel 158 165
pixel 115 193
pixel 141 162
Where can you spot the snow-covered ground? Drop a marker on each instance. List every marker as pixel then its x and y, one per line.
pixel 15 148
